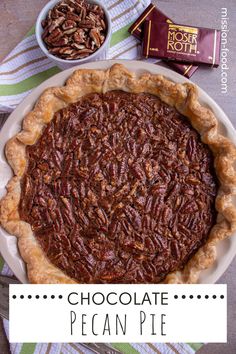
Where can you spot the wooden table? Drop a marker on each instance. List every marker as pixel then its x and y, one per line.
pixel 17 17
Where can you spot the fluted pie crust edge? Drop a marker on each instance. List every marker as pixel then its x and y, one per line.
pixel 184 98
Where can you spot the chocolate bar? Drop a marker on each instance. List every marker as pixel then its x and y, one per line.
pixel 181 43
pixel 154 14
pixel 150 13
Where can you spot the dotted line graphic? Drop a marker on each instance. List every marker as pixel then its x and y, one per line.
pixel 37 297
pixel 175 296
pixel 198 296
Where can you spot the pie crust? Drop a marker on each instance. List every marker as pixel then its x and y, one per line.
pixel 184 98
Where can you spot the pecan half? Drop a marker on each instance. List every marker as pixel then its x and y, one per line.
pixel 96 37
pixel 68 24
pixel 79 36
pixel 54 36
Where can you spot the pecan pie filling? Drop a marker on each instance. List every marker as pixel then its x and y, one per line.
pixel 119 189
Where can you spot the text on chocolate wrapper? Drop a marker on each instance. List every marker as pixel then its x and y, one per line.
pixel 182 39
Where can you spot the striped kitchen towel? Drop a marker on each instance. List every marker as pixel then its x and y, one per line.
pixel 22 70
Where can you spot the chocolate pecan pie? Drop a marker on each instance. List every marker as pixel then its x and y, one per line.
pixel 119 179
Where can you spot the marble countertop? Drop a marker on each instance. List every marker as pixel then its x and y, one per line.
pixel 17 17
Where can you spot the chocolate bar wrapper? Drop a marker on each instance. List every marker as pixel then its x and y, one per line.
pixel 154 14
pixel 181 43
pixel 183 69
pixel 150 13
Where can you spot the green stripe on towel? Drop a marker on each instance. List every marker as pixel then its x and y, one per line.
pixel 28 84
pixel 195 346
pixel 125 348
pixel 1 263
pixel 120 35
pixel 31 31
pixel 28 348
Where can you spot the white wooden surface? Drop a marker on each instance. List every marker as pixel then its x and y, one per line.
pixel 17 16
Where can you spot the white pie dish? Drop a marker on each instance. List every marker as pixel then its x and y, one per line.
pixel 8 247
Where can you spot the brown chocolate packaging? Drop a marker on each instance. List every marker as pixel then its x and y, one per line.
pixel 154 14
pixel 181 43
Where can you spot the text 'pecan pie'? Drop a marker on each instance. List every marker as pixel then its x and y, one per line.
pixel 119 179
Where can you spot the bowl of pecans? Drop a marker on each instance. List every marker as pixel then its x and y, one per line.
pixel 71 32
